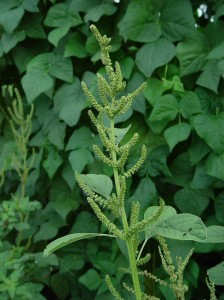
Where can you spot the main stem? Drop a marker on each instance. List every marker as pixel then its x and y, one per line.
pixel 129 243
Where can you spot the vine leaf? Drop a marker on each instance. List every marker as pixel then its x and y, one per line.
pixel 100 184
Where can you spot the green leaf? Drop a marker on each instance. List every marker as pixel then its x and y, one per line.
pixel 177 133
pixel 85 222
pixel 167 212
pixel 21 57
pixel 34 83
pixel 191 201
pixel 49 229
pixel 180 227
pixel 153 90
pixel 9 41
pixel 41 261
pixel 139 103
pixel 215 234
pixel 166 108
pixel 61 68
pixel 34 28
pixel 192 53
pixel 94 14
pixel 220 67
pixel 63 200
pixel 79 159
pixel 181 170
pixel 120 133
pixel 141 22
pixel 156 163
pixel 177 19
pixel 190 104
pixel 210 76
pixel 30 5
pixel 91 280
pixel 217 52
pixel 52 163
pixel 75 46
pixel 100 184
pixel 210 129
pixel 68 239
pixel 215 274
pixel 219 207
pixel 55 129
pixel 56 34
pixel 54 65
pixel 60 15
pixel 68 175
pixel 69 102
pixel 198 150
pixel 215 165
pixel 11 19
pixel 201 180
pixel 81 138
pixel 127 65
pixel 153 55
pixel 145 193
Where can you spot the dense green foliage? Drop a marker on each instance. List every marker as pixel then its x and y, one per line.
pixel 46 50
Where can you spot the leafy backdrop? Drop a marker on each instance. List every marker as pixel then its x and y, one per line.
pixel 46 50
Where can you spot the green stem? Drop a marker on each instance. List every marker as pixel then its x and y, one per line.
pixel 129 243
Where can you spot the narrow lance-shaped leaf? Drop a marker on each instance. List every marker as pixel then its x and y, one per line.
pixel 68 239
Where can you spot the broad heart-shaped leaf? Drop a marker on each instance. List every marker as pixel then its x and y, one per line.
pixel 79 158
pixel 210 129
pixel 192 52
pixel 95 13
pixel 183 227
pixel 166 108
pixel 55 65
pixel 177 133
pixel 215 234
pixel 192 201
pixel 120 133
pixel 9 41
pixel 153 55
pixel 210 77
pixel 216 274
pixel 141 22
pixel 69 102
pixel 190 104
pixel 177 19
pixel 91 279
pixel 63 200
pixel 56 34
pixel 81 138
pixel 60 15
pixel 34 83
pixel 68 239
pixel 100 184
pixel 75 45
pixel 215 165
pixel 11 19
pixel 52 163
pixel 167 212
pixel 217 52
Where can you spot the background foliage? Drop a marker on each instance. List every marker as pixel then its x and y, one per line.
pixel 46 49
